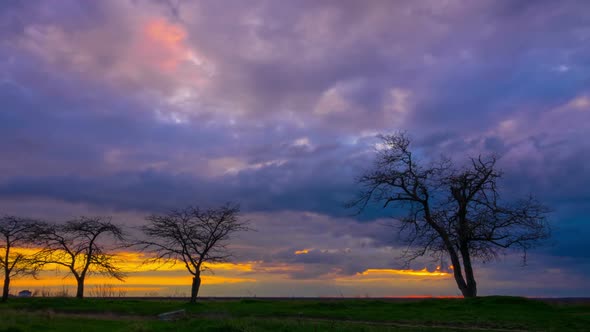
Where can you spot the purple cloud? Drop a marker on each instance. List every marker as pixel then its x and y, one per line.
pixel 144 105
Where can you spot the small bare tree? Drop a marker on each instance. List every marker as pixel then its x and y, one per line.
pixel 16 233
pixel 76 245
pixel 192 236
pixel 454 211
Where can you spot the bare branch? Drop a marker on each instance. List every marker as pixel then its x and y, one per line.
pixel 450 210
pixel 78 246
pixel 192 236
pixel 16 233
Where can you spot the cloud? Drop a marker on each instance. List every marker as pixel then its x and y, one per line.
pixel 144 105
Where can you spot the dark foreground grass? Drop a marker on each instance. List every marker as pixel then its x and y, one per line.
pixel 487 313
pixel 20 322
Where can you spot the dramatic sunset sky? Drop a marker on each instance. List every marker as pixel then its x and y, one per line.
pixel 132 107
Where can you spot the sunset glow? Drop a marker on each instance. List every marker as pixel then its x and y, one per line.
pixel 418 273
pixel 167 278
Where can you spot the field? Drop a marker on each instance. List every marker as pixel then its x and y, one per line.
pixel 480 314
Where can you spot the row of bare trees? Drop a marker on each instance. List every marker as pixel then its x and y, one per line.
pixel 88 245
pixel 442 210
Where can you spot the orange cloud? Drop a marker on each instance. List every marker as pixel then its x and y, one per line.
pixel 163 43
pixel 303 251
pixel 163 32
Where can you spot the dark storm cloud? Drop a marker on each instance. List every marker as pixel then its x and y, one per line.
pixel 267 190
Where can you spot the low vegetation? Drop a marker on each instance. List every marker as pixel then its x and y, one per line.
pixel 488 314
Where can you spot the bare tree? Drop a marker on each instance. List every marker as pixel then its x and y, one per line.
pixel 454 211
pixel 192 236
pixel 16 233
pixel 76 245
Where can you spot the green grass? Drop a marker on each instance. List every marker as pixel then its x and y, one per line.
pixel 115 305
pixel 22 322
pixel 65 314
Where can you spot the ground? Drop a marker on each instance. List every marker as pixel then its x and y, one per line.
pixel 480 314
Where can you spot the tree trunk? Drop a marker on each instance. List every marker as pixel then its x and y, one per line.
pixel 195 287
pixel 470 291
pixel 6 288
pixel 471 287
pixel 80 289
pixel 458 274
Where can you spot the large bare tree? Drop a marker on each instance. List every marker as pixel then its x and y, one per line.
pixel 81 246
pixel 192 236
pixel 16 234
pixel 451 210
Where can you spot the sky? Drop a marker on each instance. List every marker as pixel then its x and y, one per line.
pixel 132 107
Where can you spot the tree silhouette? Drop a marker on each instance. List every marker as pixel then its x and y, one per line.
pixel 192 236
pixel 454 211
pixel 16 233
pixel 76 245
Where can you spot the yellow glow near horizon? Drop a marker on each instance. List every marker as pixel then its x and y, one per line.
pixel 152 278
pixel 169 280
pixel 136 262
pixel 391 275
pixel 302 251
pixel 132 261
pixel 422 273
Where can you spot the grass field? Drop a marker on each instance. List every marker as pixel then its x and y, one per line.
pixel 480 314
